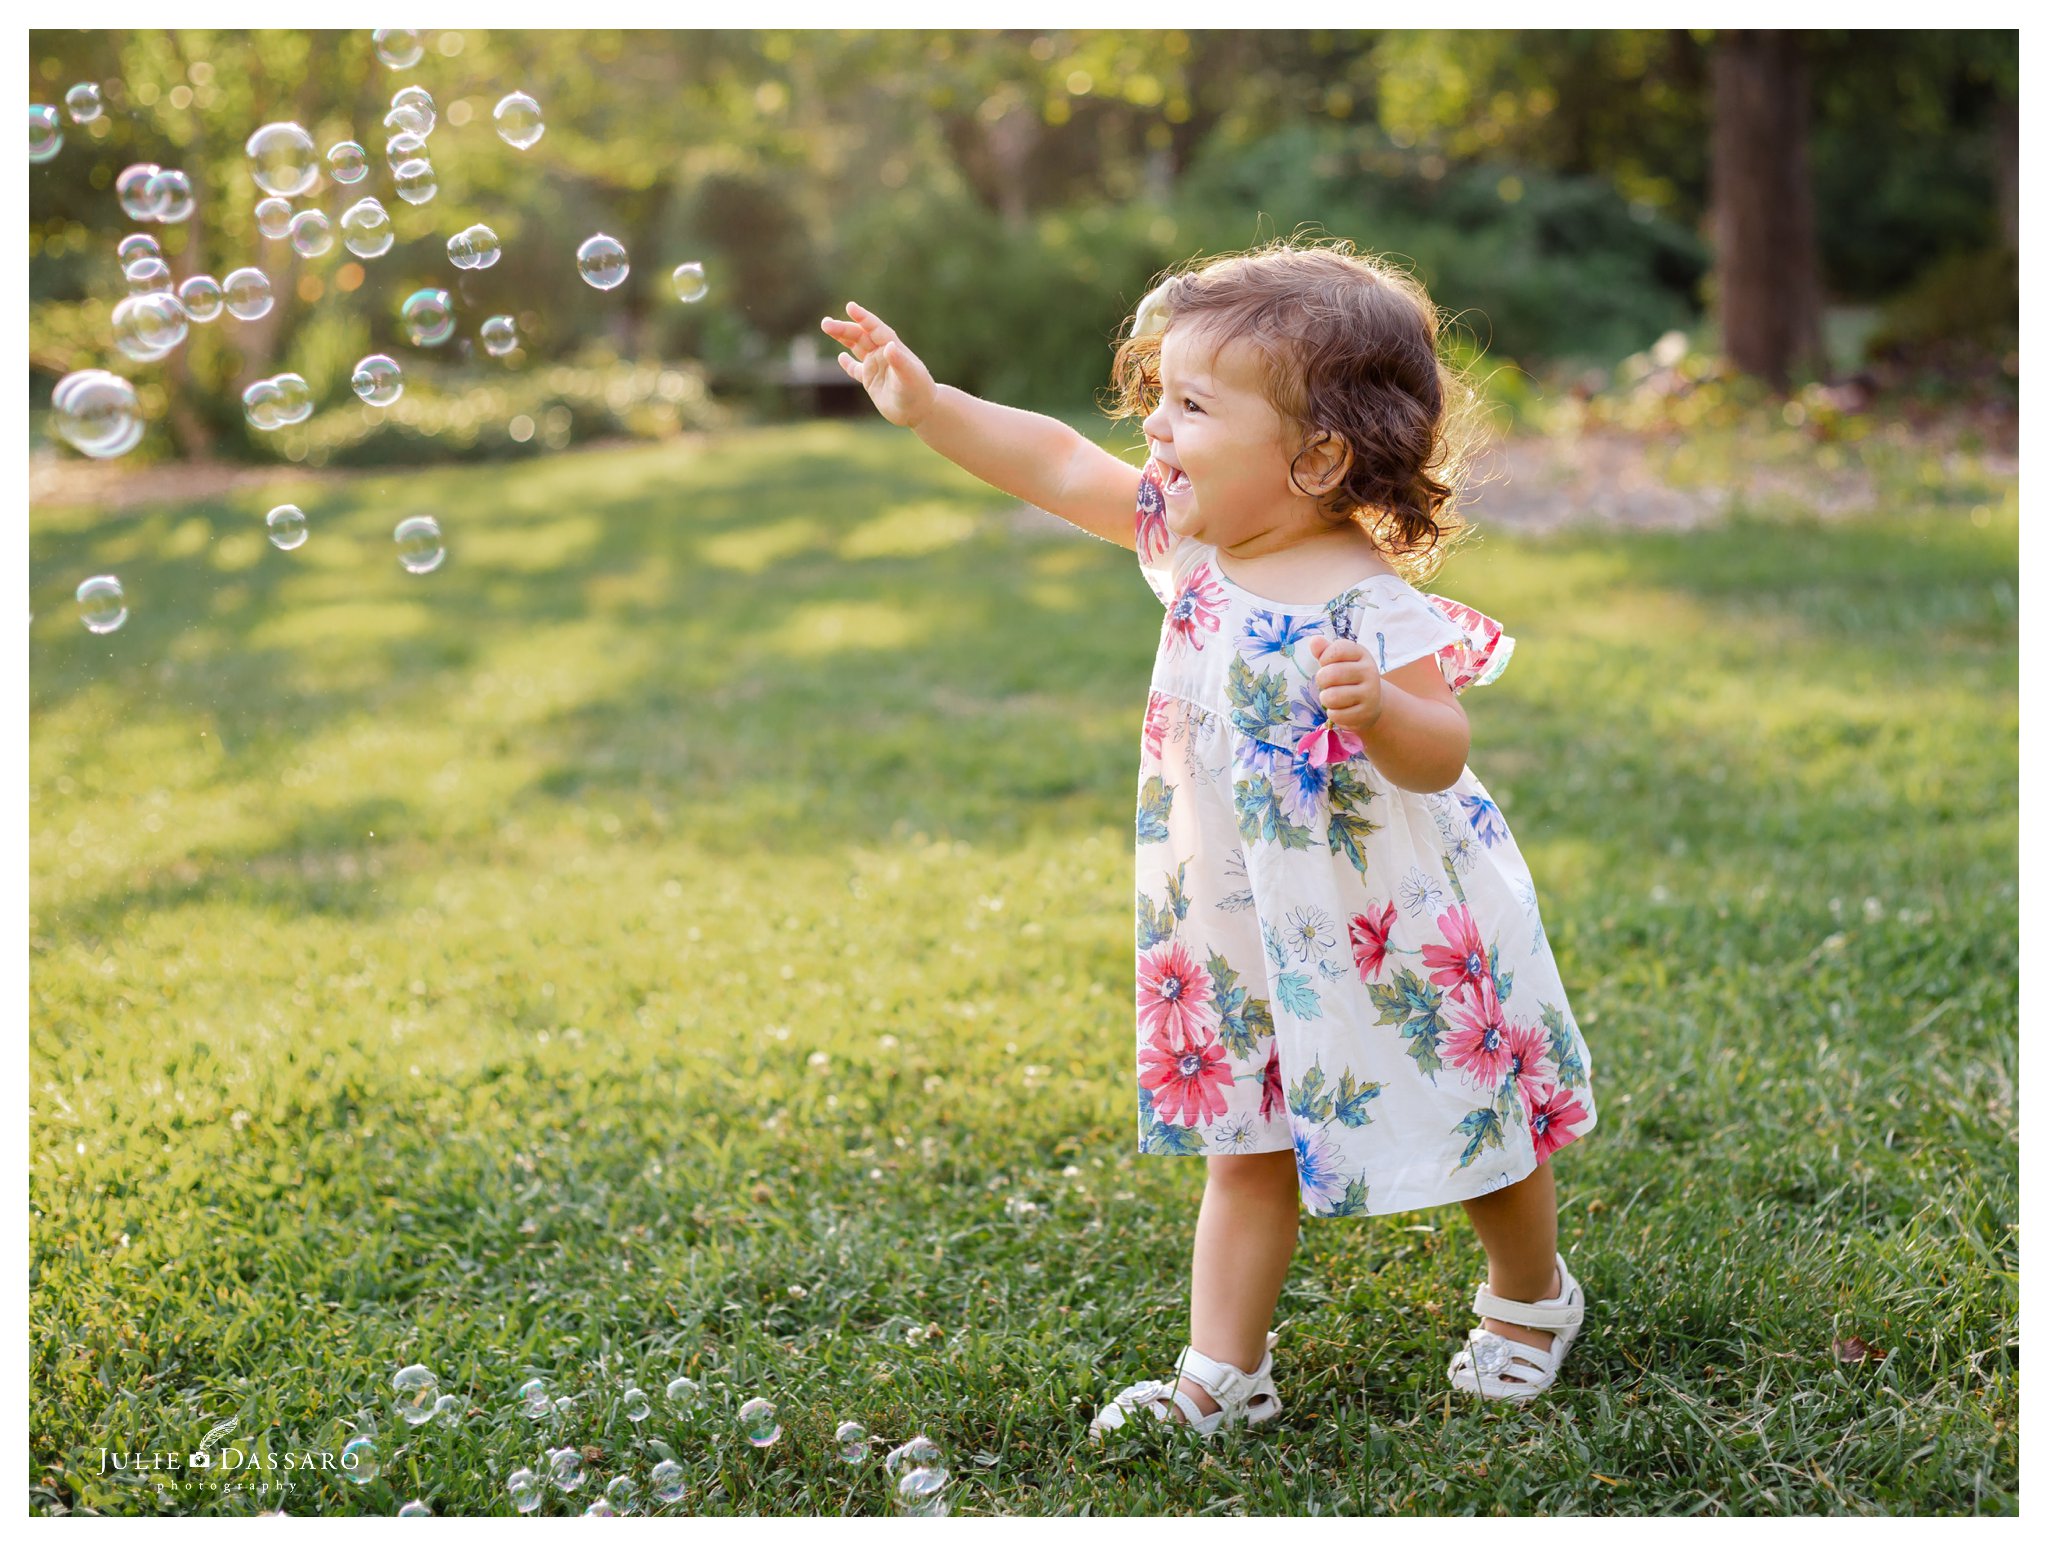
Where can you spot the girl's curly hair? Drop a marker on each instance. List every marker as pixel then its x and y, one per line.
pixel 1347 349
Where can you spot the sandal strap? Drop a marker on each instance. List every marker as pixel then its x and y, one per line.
pixel 1493 1355
pixel 1564 1313
pixel 1228 1384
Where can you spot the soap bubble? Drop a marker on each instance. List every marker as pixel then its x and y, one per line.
pixel 359 1462
pixel 419 549
pixel 398 47
pixel 200 296
pixel 283 160
pixel 921 1493
pixel 414 181
pixel 519 121
pixel 852 1440
pixel 348 161
pixel 484 246
pixel 682 1393
pixel 759 1425
pixel 171 192
pixel 379 382
pixel 910 1454
pixel 621 1494
pixel 414 1509
pixel 533 1395
pixel 45 133
pixel 295 406
pixel 148 327
pixel 263 404
pixel 274 217
pixel 82 102
pixel 601 261
pixel 287 527
pixel 428 318
pixel 132 189
pixel 689 281
pixel 406 145
pixel 460 253
pixel 312 234
pixel 525 1489
pixel 248 293
pixel 137 244
pixel 566 1465
pixel 499 335
pixel 416 101
pixel 100 603
pixel 636 1404
pixel 366 229
pixel 148 275
pixel 667 1477
pixel 600 1508
pixel 97 413
pixel 449 1407
pixel 418 1390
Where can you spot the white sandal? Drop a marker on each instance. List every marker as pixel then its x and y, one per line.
pixel 1240 1397
pixel 1499 1368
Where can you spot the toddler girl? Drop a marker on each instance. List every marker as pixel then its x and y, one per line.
pixel 1345 999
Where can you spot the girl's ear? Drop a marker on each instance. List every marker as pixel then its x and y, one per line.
pixel 1326 461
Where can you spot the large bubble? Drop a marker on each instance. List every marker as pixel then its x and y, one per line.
pixel 398 47
pixel 287 527
pixel 294 397
pixel 428 317
pixel 312 233
pixel 148 327
pixel 476 247
pixel 377 380
pixel 97 413
pixel 248 293
pixel 132 189
pixel 45 133
pixel 347 161
pixel 419 543
pixel 200 296
pixel 499 335
pixel 601 260
pixel 519 121
pixel 283 160
pixel 171 192
pixel 414 181
pixel 82 102
pixel 263 404
pixel 366 229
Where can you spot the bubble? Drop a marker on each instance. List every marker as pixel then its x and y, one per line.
pixel 200 296
pixel 97 413
pixel 248 293
pixel 602 262
pixel 407 122
pixel 406 145
pixel 909 1455
pixel 379 382
pixel 148 275
pixel 758 1423
pixel 682 1393
pixel 274 217
pixel 667 1477
pixel 566 1466
pixel 852 1440
pixel 622 1494
pixel 45 133
pixel 171 192
pixel 525 1489
pixel 137 244
pixel 312 234
pixel 460 253
pixel 416 101
pixel 282 159
pixel 419 549
pixel 600 1508
pixel 359 1462
pixel 295 406
pixel 484 246
pixel 148 327
pixel 348 161
pixel 428 318
pixel 366 229
pixel 418 1390
pixel 414 1509
pixel 500 336
pixel 533 1395
pixel 519 121
pixel 398 47
pixel 263 404
pixel 287 526
pixel 921 1493
pixel 82 102
pixel 132 189
pixel 689 281
pixel 636 1404
pixel 100 603
pixel 414 181
pixel 448 1408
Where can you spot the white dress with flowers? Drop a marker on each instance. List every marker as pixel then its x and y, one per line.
pixel 1325 962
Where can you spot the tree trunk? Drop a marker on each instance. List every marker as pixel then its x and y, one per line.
pixel 1767 258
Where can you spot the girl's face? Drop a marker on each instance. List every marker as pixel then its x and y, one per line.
pixel 1215 426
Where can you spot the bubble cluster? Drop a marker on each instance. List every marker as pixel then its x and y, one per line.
pixel 135 245
pixel 295 406
pixel 82 102
pixel 169 192
pixel 601 260
pixel 247 291
pixel 476 247
pixel 414 100
pixel 283 160
pixel 262 405
pixel 101 604
pixel 148 327
pixel 347 161
pixel 414 181
pixel 420 551
pixel 97 413
pixel 519 121
pixel 406 145
pixel 132 189
pixel 366 229
pixel 147 275
pixel 428 317
pixel 499 336
pixel 379 382
pixel 398 47
pixel 418 1390
pixel 201 297
pixel 689 281
pixel 287 527
pixel 45 133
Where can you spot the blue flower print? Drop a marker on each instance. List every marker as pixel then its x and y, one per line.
pixel 1485 818
pixel 1269 634
pixel 1315 1164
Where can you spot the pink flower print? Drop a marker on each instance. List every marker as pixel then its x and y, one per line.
pixel 1529 1062
pixel 1480 655
pixel 1272 1094
pixel 1176 998
pixel 1329 743
pixel 1463 964
pixel 1552 1116
pixel 1197 605
pixel 1155 725
pixel 1188 1084
pixel 1478 1042
pixel 1153 537
pixel 1369 933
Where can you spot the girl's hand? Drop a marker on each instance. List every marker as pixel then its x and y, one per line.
pixel 1347 686
pixel 896 380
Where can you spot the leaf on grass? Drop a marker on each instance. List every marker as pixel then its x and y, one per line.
pixel 1856 1350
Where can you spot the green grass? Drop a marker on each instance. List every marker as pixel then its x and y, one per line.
pixel 430 969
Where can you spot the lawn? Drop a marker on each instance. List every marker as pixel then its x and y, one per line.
pixel 689 933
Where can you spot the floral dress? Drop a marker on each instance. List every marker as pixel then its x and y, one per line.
pixel 1326 962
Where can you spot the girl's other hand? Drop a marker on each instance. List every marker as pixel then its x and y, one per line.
pixel 1347 684
pixel 896 380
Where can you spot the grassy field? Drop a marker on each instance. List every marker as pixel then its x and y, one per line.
pixel 684 932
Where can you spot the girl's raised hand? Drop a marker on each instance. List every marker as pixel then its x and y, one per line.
pixel 896 380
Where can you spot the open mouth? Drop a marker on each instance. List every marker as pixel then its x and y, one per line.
pixel 1176 482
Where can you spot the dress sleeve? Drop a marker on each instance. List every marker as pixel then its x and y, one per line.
pixel 1483 651
pixel 1395 624
pixel 1157 545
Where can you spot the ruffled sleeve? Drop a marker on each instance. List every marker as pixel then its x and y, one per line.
pixel 1482 651
pixel 1394 622
pixel 1157 545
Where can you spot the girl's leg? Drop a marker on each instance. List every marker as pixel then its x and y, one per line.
pixel 1518 1227
pixel 1243 1242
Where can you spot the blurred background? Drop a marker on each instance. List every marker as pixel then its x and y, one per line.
pixel 1827 212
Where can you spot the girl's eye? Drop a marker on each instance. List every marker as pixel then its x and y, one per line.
pixel 1189 404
